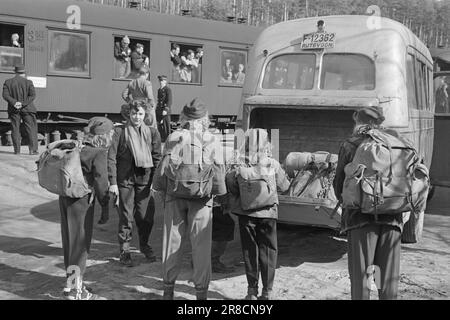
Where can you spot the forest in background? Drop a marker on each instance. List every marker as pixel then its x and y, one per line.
pixel 428 19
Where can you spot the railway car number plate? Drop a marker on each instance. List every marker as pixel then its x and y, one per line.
pixel 316 40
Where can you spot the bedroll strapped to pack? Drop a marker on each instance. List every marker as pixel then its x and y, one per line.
pixel 385 176
pixel 257 187
pixel 189 168
pixel 59 169
pixel 315 174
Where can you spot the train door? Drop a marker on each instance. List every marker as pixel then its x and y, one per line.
pixel 440 166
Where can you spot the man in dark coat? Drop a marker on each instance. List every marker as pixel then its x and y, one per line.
pixel 19 93
pixel 163 108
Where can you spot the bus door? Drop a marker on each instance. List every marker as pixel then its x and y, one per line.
pixel 440 164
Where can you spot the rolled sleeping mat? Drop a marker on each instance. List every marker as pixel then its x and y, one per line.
pixel 296 161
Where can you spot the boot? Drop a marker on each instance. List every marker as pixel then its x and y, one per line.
pixel 265 295
pixel 168 292
pixel 218 267
pixel 202 294
pixel 252 294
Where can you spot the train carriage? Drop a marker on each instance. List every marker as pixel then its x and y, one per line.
pixel 67 48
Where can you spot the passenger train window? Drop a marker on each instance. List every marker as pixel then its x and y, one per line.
pixel 11 46
pixel 68 53
pixel 441 94
pixel 130 54
pixel 186 63
pixel 347 72
pixel 233 67
pixel 290 71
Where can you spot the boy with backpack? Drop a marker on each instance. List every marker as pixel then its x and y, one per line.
pixel 191 172
pixel 78 173
pixel 253 184
pixel 380 181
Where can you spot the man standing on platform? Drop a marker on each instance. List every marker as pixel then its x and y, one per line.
pixel 163 108
pixel 19 93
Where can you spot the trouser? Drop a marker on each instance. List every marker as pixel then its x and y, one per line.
pixel 30 123
pixel 222 233
pixel 77 217
pixel 374 247
pixel 135 203
pixel 184 218
pixel 163 125
pixel 260 249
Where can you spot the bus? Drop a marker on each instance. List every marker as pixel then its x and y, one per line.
pixel 68 51
pixel 307 83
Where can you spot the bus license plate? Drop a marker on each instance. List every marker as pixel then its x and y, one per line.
pixel 322 40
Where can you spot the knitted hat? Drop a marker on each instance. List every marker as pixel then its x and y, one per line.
pixel 99 125
pixel 19 68
pixel 196 109
pixel 369 115
pixel 143 70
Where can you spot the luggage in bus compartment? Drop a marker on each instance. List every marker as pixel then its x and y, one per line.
pixel 304 85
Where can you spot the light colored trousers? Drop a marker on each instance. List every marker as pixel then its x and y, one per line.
pixel 182 218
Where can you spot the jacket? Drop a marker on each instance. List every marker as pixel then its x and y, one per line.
pixel 95 171
pixel 139 89
pixel 121 166
pixel 233 189
pixel 19 89
pixel 164 100
pixel 353 218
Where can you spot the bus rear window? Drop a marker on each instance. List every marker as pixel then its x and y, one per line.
pixel 347 72
pixel 290 71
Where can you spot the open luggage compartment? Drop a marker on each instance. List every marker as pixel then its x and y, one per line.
pixel 306 130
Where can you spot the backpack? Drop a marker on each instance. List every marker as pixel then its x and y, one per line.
pixel 385 176
pixel 59 169
pixel 188 168
pixel 257 187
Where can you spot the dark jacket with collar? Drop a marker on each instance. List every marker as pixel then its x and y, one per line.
pixel 95 171
pixel 122 170
pixel 19 89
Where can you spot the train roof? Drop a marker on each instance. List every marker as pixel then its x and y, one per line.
pixel 127 19
pixel 285 34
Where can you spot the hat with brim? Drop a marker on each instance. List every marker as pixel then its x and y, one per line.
pixel 99 126
pixel 162 77
pixel 370 115
pixel 19 68
pixel 194 110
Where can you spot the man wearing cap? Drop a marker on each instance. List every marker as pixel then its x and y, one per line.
pixel 122 54
pixel 138 60
pixel 77 214
pixel 19 92
pixel 370 237
pixel 142 89
pixel 189 218
pixel 163 108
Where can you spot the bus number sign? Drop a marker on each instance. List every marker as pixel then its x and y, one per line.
pixel 318 40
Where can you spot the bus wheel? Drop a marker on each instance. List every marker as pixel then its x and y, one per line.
pixel 412 230
pixel 431 193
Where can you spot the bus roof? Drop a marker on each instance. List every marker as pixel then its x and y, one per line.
pixel 286 34
pixel 126 19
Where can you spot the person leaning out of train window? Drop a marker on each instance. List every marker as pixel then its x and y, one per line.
pixel 257 221
pixel 371 239
pixel 77 214
pixel 197 69
pixel 226 69
pixel 176 62
pixel 138 60
pixel 142 89
pixel 15 41
pixel 187 64
pixel 163 108
pixel 134 154
pixel 122 54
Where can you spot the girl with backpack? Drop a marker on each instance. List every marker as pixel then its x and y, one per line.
pixel 77 214
pixel 253 184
